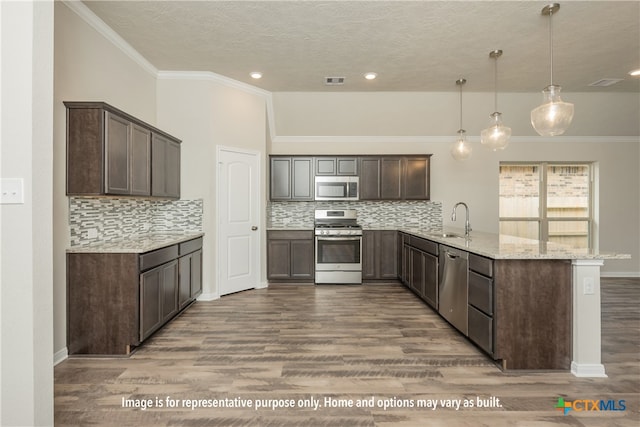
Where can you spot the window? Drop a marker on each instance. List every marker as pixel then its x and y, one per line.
pixel 547 201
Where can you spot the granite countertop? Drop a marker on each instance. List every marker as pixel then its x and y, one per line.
pixel 134 244
pixel 501 246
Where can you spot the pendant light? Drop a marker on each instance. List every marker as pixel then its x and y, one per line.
pixel 496 136
pixel 554 116
pixel 461 149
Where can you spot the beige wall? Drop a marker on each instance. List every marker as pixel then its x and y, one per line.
pixel 438 113
pixel 216 115
pixel 26 309
pixel 88 67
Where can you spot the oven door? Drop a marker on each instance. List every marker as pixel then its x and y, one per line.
pixel 342 253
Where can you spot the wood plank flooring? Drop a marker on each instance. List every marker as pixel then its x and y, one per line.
pixel 349 344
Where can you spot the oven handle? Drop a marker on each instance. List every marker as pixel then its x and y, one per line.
pixel 339 238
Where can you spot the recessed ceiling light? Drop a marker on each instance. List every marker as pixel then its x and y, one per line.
pixel 370 76
pixel 256 75
pixel 635 73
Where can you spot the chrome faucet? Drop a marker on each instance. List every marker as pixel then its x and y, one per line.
pixel 467 225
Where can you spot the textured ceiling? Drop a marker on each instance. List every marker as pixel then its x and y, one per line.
pixel 412 45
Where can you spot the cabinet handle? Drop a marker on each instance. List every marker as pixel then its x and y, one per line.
pixel 254 228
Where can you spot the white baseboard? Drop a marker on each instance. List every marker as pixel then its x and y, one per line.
pixel 60 356
pixel 588 370
pixel 208 296
pixel 262 285
pixel 621 274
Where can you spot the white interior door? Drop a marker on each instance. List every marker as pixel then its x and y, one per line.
pixel 238 219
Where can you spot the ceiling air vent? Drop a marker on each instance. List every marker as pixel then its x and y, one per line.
pixel 605 82
pixel 334 81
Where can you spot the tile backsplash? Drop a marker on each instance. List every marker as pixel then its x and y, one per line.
pixel 108 219
pixel 371 214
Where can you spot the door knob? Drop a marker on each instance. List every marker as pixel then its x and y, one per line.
pixel 254 228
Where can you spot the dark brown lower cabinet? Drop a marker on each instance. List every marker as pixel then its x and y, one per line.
pixel 519 311
pixel 290 256
pixel 420 268
pixel 117 300
pixel 379 255
pixel 190 278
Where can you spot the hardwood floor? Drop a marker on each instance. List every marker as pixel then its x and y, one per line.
pixel 349 344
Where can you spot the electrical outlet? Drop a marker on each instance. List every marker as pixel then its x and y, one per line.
pixel 92 233
pixel 589 286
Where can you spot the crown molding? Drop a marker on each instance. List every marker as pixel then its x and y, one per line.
pixel 213 77
pixel 101 27
pixel 361 139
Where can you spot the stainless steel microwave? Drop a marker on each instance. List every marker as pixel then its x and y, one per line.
pixel 337 188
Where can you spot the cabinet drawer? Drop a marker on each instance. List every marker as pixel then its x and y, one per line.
pixel 190 246
pixel 157 257
pixel 481 292
pixel 290 235
pixel 481 329
pixel 425 245
pixel 481 264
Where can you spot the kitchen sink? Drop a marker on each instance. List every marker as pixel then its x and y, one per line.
pixel 448 235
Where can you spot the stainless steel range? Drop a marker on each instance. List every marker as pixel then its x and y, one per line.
pixel 338 247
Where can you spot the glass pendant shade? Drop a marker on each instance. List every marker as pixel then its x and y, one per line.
pixel 554 116
pixel 461 149
pixel 496 136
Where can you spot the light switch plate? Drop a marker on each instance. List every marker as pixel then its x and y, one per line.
pixel 11 191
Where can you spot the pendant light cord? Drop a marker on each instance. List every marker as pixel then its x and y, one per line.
pixel 551 43
pixel 461 106
pixel 495 83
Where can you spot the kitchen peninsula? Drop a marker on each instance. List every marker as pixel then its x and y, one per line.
pixel 531 304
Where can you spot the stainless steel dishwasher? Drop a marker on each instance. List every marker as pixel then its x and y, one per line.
pixel 453 287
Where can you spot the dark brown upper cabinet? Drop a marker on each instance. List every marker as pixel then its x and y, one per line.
pixel 394 177
pixel 291 178
pixel 110 152
pixel 336 165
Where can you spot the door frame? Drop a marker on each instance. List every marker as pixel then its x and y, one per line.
pixel 258 194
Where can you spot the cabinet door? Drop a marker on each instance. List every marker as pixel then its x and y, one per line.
pixel 303 182
pixel 196 274
pixel 278 259
pixel 150 301
pixel 280 178
pixel 172 170
pixel 431 280
pixel 117 142
pixel 347 166
pixel 325 166
pixel 416 178
pixel 370 178
pixel 391 178
pixel 169 290
pixel 140 161
pixel 302 259
pixel 417 272
pixel 387 254
pixel 165 167
pixel 184 280
pixel 369 255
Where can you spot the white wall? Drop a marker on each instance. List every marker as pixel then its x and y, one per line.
pixel 205 112
pixel 88 67
pixel 357 123
pixel 26 308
